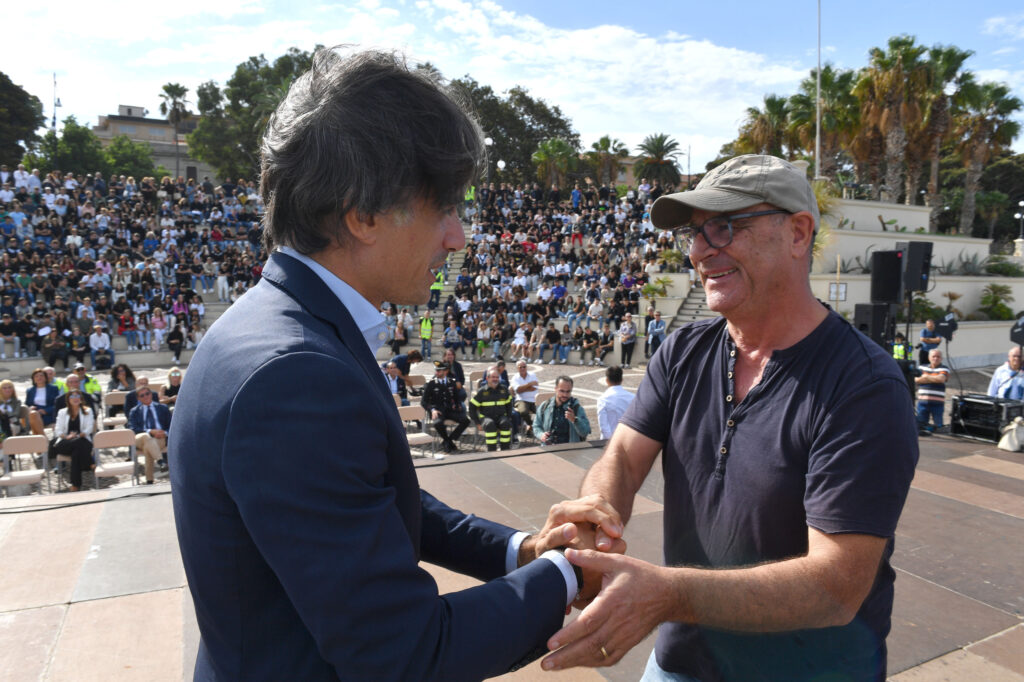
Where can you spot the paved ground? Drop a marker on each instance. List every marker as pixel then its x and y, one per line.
pixel 94 588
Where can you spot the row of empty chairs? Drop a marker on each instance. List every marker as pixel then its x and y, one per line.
pixel 16 447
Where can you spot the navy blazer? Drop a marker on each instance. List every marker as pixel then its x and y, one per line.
pixel 301 522
pixel 137 417
pixel 49 411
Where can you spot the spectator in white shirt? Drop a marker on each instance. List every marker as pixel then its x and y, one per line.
pixel 100 340
pixel 612 404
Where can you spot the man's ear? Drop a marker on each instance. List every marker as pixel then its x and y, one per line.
pixel 803 233
pixel 363 228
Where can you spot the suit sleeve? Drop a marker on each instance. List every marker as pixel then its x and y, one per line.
pixel 318 502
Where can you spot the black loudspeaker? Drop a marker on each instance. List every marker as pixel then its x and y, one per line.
pixel 1017 332
pixel 886 277
pixel 869 319
pixel 982 417
pixel 918 259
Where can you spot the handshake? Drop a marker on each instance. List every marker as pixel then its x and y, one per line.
pixel 622 599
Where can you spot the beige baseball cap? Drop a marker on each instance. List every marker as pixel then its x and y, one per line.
pixel 736 184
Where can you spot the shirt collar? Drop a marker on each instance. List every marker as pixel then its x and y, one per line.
pixel 367 318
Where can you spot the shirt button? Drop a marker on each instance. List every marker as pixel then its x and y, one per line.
pixel 728 398
pixel 732 354
pixel 730 375
pixel 730 423
pixel 724 450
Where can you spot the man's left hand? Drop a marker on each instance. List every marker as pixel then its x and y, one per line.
pixel 635 597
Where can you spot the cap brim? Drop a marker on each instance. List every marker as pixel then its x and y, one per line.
pixel 675 210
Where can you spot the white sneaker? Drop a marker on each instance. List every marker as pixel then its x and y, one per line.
pixel 552 362
pixel 591 364
pixel 581 363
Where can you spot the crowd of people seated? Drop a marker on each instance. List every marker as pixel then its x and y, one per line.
pixel 547 270
pixel 69 410
pixel 86 259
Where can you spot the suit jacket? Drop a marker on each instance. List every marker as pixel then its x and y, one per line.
pixel 137 417
pixel 52 393
pixel 301 535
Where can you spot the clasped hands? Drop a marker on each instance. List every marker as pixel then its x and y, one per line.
pixel 622 599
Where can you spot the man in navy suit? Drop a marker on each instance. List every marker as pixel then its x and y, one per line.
pixel 150 420
pixel 299 516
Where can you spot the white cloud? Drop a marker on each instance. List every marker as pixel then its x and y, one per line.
pixel 1010 26
pixel 607 79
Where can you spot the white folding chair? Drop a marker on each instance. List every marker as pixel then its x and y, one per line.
pixel 417 439
pixel 115 399
pixel 25 445
pixel 115 438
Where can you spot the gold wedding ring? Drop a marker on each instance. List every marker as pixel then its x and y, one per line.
pixel 604 653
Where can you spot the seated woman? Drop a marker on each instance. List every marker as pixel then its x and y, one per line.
pixel 121 379
pixel 11 407
pixel 72 436
pixel 40 399
pixel 169 391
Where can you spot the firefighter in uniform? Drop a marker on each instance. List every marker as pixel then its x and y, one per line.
pixel 491 408
pixel 440 399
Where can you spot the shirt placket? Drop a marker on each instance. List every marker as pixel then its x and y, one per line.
pixel 725 443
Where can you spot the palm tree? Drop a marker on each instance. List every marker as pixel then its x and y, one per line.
pixel 765 131
pixel 605 155
pixel 658 160
pixel 175 107
pixel 984 127
pixel 947 84
pixel 839 115
pixel 554 159
pixel 889 90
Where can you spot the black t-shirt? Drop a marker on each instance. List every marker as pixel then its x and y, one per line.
pixel 826 439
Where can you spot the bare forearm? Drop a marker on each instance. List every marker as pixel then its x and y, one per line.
pixel 787 595
pixel 620 472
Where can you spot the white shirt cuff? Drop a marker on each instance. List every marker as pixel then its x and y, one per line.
pixel 572 588
pixel 512 550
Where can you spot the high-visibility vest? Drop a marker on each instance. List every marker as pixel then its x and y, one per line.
pixel 426 327
pixel 899 351
pixel 438 282
pixel 471 193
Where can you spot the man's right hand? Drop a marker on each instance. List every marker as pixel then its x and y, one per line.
pixel 598 526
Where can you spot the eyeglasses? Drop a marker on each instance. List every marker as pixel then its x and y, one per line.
pixel 718 231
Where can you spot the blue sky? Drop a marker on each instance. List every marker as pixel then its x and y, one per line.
pixel 625 69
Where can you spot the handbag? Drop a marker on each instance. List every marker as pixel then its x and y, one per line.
pixel 1013 436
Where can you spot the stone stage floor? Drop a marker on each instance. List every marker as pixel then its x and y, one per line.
pixel 93 587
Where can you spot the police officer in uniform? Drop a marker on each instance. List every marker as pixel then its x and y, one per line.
pixel 491 407
pixel 440 399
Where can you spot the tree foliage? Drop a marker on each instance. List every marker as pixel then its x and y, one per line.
pixel 21 116
pixel 606 156
pixel 234 117
pixel 913 117
pixel 517 125
pixel 175 107
pixel 554 159
pixel 658 160
pixel 124 157
pixel 76 150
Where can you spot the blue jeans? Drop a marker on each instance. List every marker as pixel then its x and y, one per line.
pixel 930 408
pixel 555 348
pixel 654 673
pixel 425 348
